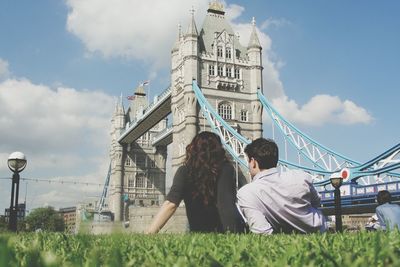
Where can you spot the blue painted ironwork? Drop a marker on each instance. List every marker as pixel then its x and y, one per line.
pixel 232 140
pixel 235 142
pixel 105 189
pixel 325 158
pixel 319 155
pixel 382 164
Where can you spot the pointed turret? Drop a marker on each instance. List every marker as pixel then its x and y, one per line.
pixel 178 40
pixel 139 102
pixel 120 106
pixel 119 115
pixel 192 29
pixel 254 42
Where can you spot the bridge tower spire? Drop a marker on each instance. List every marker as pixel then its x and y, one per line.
pixel 255 61
pixel 116 156
pixel 185 68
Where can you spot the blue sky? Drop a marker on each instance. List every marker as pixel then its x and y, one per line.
pixel 330 67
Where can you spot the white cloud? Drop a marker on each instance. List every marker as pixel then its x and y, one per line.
pixel 63 132
pixel 322 109
pixel 143 30
pixel 4 71
pixel 272 22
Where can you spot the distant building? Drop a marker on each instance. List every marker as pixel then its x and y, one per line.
pixel 69 216
pixel 356 221
pixel 21 212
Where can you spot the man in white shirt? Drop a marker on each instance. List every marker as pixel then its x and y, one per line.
pixel 275 201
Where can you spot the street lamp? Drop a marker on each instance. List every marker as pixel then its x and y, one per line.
pixel 16 163
pixel 336 181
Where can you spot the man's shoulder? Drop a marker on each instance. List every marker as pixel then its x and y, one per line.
pixel 298 174
pixel 246 189
pixel 388 206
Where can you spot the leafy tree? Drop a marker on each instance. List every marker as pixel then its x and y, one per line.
pixel 3 224
pixel 45 219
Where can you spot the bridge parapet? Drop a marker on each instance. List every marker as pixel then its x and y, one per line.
pixel 164 137
pixel 156 111
pixel 358 195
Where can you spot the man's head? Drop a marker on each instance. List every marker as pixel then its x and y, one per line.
pixel 262 154
pixel 384 197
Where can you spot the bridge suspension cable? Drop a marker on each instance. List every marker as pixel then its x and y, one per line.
pixel 235 142
pixel 324 161
pixel 325 158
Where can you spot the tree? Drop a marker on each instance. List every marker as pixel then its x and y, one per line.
pixel 45 219
pixel 3 224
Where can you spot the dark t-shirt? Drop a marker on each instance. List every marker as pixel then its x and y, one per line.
pixel 221 216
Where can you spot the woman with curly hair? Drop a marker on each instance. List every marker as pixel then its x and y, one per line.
pixel 206 183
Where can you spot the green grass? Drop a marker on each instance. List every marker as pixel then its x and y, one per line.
pixel 347 249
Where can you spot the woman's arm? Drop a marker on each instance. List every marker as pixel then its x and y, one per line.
pixel 170 205
pixel 167 209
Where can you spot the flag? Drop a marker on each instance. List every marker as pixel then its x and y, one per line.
pixel 145 83
pixel 131 97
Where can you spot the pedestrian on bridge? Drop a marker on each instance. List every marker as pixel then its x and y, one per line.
pixel 275 201
pixel 206 183
pixel 387 212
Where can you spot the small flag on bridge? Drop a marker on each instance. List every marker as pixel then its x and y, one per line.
pixel 131 97
pixel 145 83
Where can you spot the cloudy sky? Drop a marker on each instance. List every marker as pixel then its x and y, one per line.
pixel 330 67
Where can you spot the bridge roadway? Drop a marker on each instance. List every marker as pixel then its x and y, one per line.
pixel 163 138
pixel 357 199
pixel 153 114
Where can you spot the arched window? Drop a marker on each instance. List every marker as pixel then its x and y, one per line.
pixel 228 52
pixel 131 181
pixel 228 71
pixel 140 180
pixel 220 71
pixel 237 73
pixel 211 71
pixel 243 115
pixel 219 51
pixel 150 182
pixel 225 110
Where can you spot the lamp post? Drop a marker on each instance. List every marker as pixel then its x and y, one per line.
pixel 17 163
pixel 336 181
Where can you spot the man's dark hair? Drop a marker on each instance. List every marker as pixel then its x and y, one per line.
pixel 265 151
pixel 384 197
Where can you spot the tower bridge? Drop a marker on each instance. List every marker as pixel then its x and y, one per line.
pixel 216 85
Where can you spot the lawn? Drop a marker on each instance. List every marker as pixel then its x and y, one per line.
pixel 346 249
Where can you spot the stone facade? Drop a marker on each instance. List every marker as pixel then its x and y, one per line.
pixel 140 218
pixel 138 168
pixel 229 75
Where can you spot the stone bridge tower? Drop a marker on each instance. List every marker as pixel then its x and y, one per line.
pixel 228 73
pixel 138 168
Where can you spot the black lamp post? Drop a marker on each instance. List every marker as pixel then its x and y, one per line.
pixel 336 181
pixel 16 163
